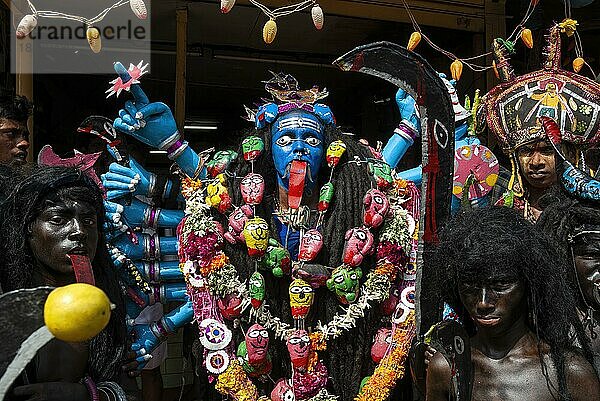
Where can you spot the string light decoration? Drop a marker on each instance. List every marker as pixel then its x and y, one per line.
pixel 270 27
pixel 29 21
pixel 457 64
pixel 568 26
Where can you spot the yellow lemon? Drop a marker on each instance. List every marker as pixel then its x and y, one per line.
pixel 76 312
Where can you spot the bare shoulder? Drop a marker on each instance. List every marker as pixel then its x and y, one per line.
pixel 581 378
pixel 438 378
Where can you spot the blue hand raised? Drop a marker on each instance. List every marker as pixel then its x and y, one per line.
pixel 150 123
pixel 120 181
pixel 408 110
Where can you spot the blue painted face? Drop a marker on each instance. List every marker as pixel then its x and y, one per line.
pixel 297 135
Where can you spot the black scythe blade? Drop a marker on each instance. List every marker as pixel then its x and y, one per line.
pixel 21 320
pixel 411 72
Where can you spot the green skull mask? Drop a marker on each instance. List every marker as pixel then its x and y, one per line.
pixel 277 259
pixel 344 282
pixel 256 288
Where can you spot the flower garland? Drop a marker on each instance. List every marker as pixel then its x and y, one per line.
pixel 212 279
pixel 392 366
pixel 201 240
pixel 235 384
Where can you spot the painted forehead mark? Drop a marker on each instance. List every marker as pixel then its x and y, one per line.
pixel 299 122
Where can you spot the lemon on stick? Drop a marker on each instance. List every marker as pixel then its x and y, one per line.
pixel 76 312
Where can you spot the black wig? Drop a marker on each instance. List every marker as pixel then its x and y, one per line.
pixel 496 242
pixel 24 196
pixel 562 216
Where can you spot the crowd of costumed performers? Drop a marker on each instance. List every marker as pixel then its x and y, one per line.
pixel 309 266
pixel 298 250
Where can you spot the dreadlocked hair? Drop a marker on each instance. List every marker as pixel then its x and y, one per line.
pixel 348 356
pixel 520 252
pixel 561 217
pixel 25 198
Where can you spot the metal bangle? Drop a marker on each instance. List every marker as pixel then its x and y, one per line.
pixel 163 294
pixel 151 247
pixel 159 331
pixel 151 216
pixel 167 143
pixel 152 270
pixel 151 185
pixel 174 151
pixel 406 130
pixel 156 247
pixel 167 189
pixel 91 388
pixel 114 389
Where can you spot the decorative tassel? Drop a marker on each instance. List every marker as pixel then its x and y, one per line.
pixel 269 31
pixel 414 40
pixel 578 64
pixel 94 39
pixel 456 69
pixel 496 73
pixel 527 38
pixel 515 184
pixel 317 16
pixel 27 24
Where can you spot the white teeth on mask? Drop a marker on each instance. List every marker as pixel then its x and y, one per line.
pixel 308 173
pixel 286 174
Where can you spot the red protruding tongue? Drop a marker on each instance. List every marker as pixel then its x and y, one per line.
pixel 83 269
pixel 296 183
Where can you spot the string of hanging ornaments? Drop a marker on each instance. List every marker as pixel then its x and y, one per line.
pixel 270 27
pixel 29 21
pixel 568 26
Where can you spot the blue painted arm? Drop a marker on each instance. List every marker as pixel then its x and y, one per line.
pixel 150 247
pixel 148 337
pixel 407 130
pixel 160 271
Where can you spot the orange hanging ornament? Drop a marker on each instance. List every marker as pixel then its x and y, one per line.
pixel 578 64
pixel 94 39
pixel 269 31
pixel 414 40
pixel 527 38
pixel 456 69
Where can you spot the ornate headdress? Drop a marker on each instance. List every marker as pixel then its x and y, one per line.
pixel 512 108
pixel 287 96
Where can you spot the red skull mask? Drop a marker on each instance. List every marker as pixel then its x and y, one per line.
pixel 252 188
pixel 237 220
pixel 310 245
pixel 376 208
pixel 283 391
pixel 359 243
pixel 298 345
pixel 257 344
pixel 382 342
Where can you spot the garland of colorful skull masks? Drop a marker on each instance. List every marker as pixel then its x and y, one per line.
pixel 209 276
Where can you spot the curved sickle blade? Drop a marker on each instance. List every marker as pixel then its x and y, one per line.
pixel 412 73
pixel 22 331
